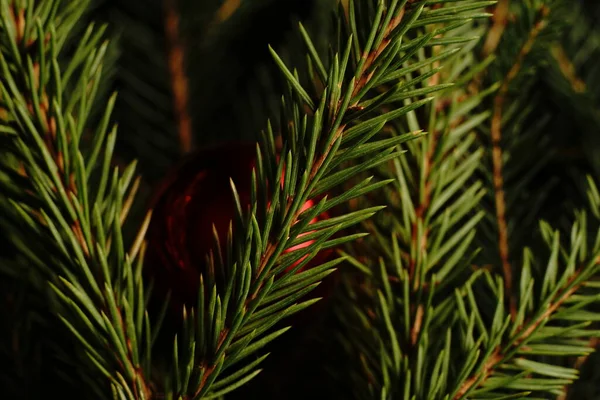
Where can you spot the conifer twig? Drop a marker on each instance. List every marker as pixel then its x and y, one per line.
pixel 494 35
pixel 487 370
pixel 323 132
pixel 179 79
pixel 271 248
pixel 521 335
pixel 496 133
pixel 226 10
pixel 362 79
pixel 421 242
pixel 50 113
pixel 567 68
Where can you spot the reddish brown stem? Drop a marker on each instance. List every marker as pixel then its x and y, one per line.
pixel 496 133
pixel 568 69
pixel 179 79
pixel 487 370
pixel 498 175
pixel 494 35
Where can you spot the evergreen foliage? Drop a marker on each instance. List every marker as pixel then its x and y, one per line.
pixel 427 129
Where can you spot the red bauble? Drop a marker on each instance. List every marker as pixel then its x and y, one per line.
pixel 196 195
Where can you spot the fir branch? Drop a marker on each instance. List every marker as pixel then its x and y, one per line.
pixel 49 102
pixel 490 354
pixel 501 355
pixel 564 295
pixel 319 135
pixel 497 151
pixel 419 248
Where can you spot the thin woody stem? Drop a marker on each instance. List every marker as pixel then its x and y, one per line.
pixel 500 19
pixel 226 10
pixel 487 370
pixel 371 56
pixel 179 79
pixel 567 68
pixel 496 132
pixel 498 176
pixel 494 35
pixel 499 197
pixel 419 242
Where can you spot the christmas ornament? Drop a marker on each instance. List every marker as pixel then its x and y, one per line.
pixel 196 195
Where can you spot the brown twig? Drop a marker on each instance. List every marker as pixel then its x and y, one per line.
pixel 419 242
pixel 494 35
pixel 48 125
pixel 226 10
pixel 498 177
pixel 496 133
pixel 371 56
pixel 416 328
pixel 487 370
pixel 179 79
pixel 568 69
pixel 222 14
